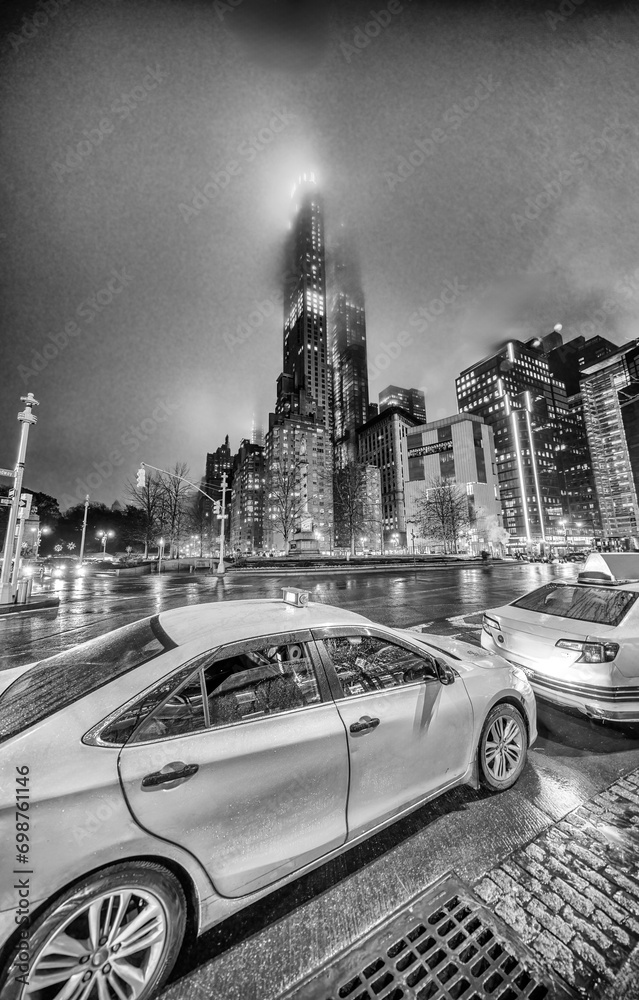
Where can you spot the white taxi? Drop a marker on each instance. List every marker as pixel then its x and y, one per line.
pixel 577 642
pixel 165 775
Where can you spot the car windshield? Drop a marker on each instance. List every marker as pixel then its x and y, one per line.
pixel 58 681
pixel 600 605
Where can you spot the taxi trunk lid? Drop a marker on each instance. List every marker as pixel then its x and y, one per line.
pixel 528 635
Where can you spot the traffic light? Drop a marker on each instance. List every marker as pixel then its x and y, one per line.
pixel 141 478
pixel 217 507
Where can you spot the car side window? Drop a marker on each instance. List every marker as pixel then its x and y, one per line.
pixel 182 713
pixel 367 663
pixel 122 725
pixel 260 682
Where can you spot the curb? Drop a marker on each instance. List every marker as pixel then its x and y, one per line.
pixel 22 609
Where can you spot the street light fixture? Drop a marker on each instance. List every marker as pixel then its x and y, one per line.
pixel 564 525
pixel 103 536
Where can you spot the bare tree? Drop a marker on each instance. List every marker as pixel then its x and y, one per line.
pixel 148 499
pixel 356 508
pixel 443 512
pixel 175 500
pixel 286 502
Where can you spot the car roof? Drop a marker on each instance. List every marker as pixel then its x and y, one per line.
pixel 232 621
pixel 611 568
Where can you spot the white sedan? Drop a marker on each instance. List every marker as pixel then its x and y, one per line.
pixel 177 769
pixel 577 641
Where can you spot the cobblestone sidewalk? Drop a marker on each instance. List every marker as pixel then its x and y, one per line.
pixel 572 894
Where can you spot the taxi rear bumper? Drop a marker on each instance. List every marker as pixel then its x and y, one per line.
pixel 606 701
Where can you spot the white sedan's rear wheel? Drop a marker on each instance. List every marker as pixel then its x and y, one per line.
pixel 115 935
pixel 502 748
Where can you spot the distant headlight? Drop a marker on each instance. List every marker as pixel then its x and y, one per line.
pixel 591 652
pixel 79 571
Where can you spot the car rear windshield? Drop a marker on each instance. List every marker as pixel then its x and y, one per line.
pixel 58 681
pixel 600 605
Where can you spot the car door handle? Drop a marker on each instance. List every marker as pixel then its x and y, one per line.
pixel 364 725
pixel 175 771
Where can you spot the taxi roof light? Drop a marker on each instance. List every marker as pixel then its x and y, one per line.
pixel 296 598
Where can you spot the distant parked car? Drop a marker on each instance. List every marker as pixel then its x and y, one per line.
pixel 577 642
pixel 61 567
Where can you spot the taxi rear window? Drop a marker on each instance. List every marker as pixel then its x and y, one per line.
pixel 599 605
pixel 58 681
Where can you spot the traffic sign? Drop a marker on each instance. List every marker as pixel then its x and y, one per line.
pixel 6 501
pixel 8 472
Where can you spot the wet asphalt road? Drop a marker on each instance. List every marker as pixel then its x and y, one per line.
pixel 274 943
pixel 94 605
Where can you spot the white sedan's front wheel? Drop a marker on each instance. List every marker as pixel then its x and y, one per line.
pixel 115 935
pixel 502 748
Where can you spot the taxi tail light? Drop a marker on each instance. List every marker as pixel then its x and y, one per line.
pixel 591 652
pixel 488 622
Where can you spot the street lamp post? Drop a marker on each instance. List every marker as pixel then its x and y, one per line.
pixel 84 527
pixel 103 536
pixel 26 417
pixel 221 569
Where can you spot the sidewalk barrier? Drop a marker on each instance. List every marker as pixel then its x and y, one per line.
pixel 25 586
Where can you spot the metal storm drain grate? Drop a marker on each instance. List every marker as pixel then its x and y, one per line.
pixel 444 945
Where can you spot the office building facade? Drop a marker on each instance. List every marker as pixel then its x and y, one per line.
pixel 610 392
pixel 382 442
pixel 581 521
pixel 247 503
pixel 347 339
pixel 516 394
pixel 459 449
pixel 299 484
pixel 413 401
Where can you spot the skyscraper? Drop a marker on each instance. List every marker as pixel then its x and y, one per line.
pixel 304 387
pixel 347 340
pixel 411 400
pixel 574 462
pixel 516 394
pixel 247 504
pixel 298 448
pixel 610 391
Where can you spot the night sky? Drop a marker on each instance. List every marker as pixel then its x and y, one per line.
pixel 484 156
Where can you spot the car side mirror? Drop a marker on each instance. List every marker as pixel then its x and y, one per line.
pixel 445 673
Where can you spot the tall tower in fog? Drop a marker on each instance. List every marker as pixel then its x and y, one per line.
pixel 298 447
pixel 304 387
pixel 347 340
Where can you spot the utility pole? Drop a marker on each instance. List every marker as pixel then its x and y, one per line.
pixel 25 510
pixel 220 566
pixel 26 418
pixel 84 527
